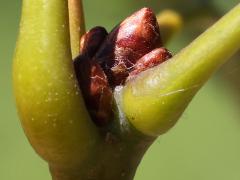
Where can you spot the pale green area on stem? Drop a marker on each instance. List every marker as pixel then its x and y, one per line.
pixel 155 100
pixel 48 98
pixel 76 24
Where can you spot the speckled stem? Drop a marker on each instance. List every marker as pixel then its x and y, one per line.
pixel 53 113
pixel 49 101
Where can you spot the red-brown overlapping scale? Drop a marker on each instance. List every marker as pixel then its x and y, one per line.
pixel 153 58
pixel 107 60
pixel 130 40
pixel 92 79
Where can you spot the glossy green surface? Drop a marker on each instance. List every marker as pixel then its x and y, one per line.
pixel 203 145
pixel 49 101
pixel 155 100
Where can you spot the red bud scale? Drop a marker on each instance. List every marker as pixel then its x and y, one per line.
pixel 108 60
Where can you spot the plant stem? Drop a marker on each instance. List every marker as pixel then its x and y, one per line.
pixel 50 104
pixel 76 24
pixel 155 100
pixel 118 159
pixel 52 110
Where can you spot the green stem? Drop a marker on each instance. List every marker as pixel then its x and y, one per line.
pixel 76 24
pixel 117 158
pixel 155 100
pixel 49 101
pixel 53 113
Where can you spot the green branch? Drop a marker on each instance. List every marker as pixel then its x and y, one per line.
pixel 76 24
pixel 48 98
pixel 52 110
pixel 155 100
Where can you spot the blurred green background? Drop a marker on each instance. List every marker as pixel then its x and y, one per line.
pixel 205 143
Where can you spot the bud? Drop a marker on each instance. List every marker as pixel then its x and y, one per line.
pixel 91 41
pixel 155 57
pixel 107 60
pixel 95 89
pixel 92 79
pixel 130 40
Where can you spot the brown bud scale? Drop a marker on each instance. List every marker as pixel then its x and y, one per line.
pixel 108 60
pixel 153 58
pixel 91 41
pixel 126 43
